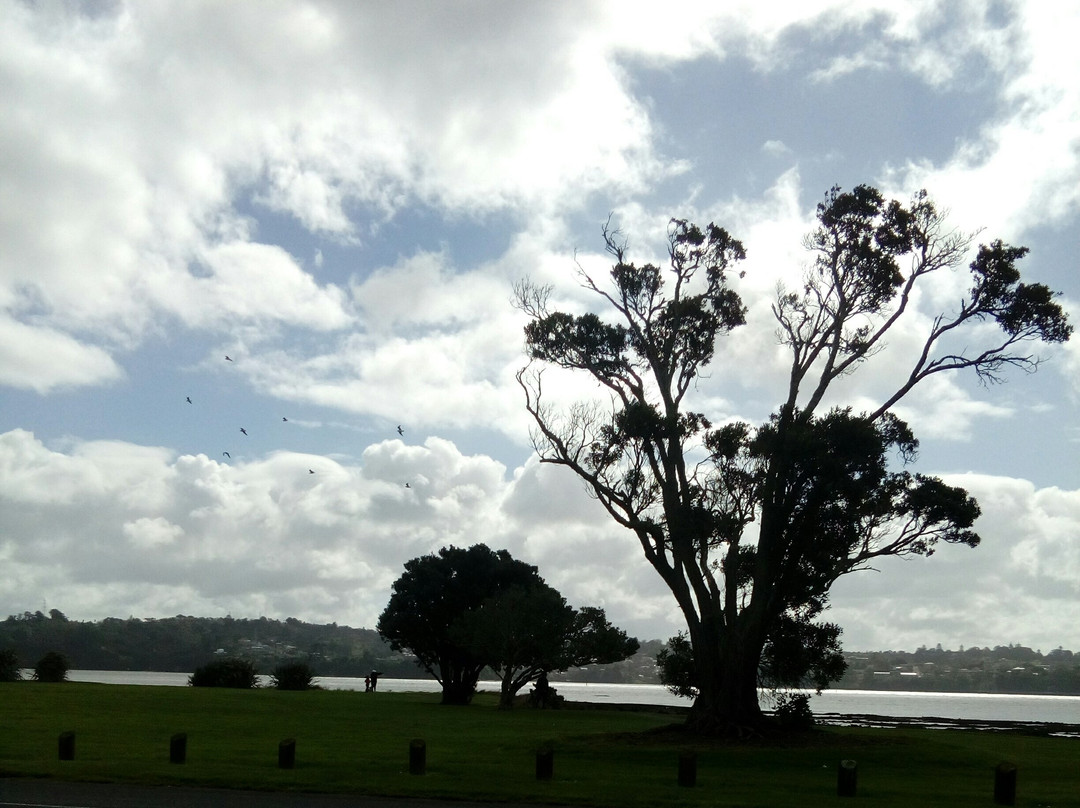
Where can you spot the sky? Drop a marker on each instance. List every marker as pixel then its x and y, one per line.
pixel 241 243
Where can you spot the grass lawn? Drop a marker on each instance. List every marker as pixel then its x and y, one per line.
pixel 347 741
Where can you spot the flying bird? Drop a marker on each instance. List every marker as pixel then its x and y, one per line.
pixel 400 431
pixel 227 455
pixel 407 485
pixel 189 399
pixel 311 471
pixel 243 430
pixel 283 418
pixel 228 358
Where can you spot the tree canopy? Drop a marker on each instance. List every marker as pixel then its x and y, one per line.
pixel 462 610
pixel 436 590
pixel 749 526
pixel 523 632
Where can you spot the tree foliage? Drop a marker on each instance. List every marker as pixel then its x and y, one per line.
pixel 432 595
pixel 462 610
pixel 294 675
pixel 750 526
pixel 523 632
pixel 9 666
pixel 53 667
pixel 240 674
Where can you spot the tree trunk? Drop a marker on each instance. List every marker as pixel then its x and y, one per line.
pixel 506 695
pixel 457 693
pixel 727 701
pixel 458 686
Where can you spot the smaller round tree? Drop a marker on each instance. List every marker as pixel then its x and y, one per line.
pixel 9 666
pixel 237 673
pixel 53 667
pixel 293 676
pixel 435 591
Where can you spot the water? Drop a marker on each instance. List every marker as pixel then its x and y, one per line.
pixel 839 703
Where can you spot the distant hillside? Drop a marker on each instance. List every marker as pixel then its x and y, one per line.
pixel 184 643
pixel 1002 669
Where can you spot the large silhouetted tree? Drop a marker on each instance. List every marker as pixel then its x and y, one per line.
pixel 750 526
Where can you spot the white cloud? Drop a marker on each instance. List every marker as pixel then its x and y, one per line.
pixel 1019 585
pixel 1071 358
pixel 132 136
pixel 249 282
pixel 776 148
pixel 1021 171
pixel 188 534
pixel 44 359
pixel 147 533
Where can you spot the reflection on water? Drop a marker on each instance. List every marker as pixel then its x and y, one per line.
pixel 964 706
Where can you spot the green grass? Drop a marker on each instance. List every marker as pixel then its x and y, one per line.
pixel 354 742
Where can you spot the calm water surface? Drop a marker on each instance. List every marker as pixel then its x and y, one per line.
pixel 969 706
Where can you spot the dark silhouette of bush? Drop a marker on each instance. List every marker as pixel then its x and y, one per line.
pixel 292 676
pixel 236 673
pixel 53 667
pixel 793 711
pixel 9 666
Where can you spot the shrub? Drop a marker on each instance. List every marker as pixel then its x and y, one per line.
pixel 53 667
pixel 9 666
pixel 292 676
pixel 238 673
pixel 793 711
pixel 676 666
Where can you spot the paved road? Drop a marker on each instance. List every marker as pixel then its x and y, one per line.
pixel 32 793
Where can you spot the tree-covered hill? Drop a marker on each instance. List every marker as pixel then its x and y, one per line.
pixel 1001 669
pixel 183 643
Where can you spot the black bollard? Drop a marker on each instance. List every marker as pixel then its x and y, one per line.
pixel 545 762
pixel 286 754
pixel 846 775
pixel 178 748
pixel 417 756
pixel 1005 784
pixel 67 745
pixel 688 769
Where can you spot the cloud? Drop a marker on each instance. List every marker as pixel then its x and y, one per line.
pixel 184 533
pixel 328 116
pixel 1020 171
pixel 268 534
pixel 776 148
pixel 251 283
pixel 43 359
pixel 269 537
pixel 146 533
pixel 1019 585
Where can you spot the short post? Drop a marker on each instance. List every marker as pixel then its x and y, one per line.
pixel 286 754
pixel 545 762
pixel 688 769
pixel 846 775
pixel 67 745
pixel 178 748
pixel 1005 784
pixel 417 756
